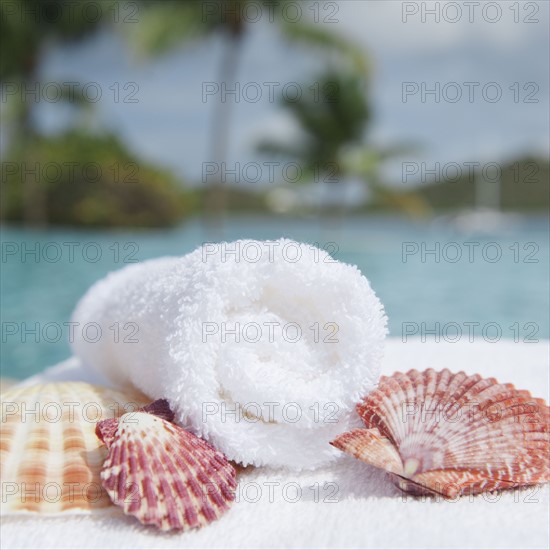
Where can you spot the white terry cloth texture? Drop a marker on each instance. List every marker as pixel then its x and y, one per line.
pixel 262 348
pixel 346 504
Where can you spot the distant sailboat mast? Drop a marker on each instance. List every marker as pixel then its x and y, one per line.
pixel 485 216
pixel 487 192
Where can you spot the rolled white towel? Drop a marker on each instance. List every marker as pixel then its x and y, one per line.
pixel 261 347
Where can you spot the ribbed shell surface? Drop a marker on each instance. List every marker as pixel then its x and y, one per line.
pixel 50 457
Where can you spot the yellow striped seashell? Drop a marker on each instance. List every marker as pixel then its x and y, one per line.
pixel 50 456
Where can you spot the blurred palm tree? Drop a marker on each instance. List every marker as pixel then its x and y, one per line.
pixel 26 28
pixel 165 25
pixel 331 148
pixel 329 121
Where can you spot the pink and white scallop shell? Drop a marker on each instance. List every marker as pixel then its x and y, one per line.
pixel 452 434
pixel 162 474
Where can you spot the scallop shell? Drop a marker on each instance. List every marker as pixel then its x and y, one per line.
pixel 164 475
pixel 50 457
pixel 106 429
pixel 452 434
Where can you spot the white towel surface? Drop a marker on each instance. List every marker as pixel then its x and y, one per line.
pixel 262 348
pixel 345 505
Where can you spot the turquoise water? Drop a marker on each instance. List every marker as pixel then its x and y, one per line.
pixel 479 295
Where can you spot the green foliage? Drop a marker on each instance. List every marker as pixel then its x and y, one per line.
pixel 332 118
pixel 106 187
pixel 115 189
pixel 525 185
pixel 165 24
pixel 334 123
pixel 318 37
pixel 25 25
pixel 336 118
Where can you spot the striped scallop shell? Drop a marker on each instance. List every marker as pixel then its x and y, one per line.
pixel 164 475
pixel 50 457
pixel 452 434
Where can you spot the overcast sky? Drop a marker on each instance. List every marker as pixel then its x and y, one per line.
pixel 503 45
